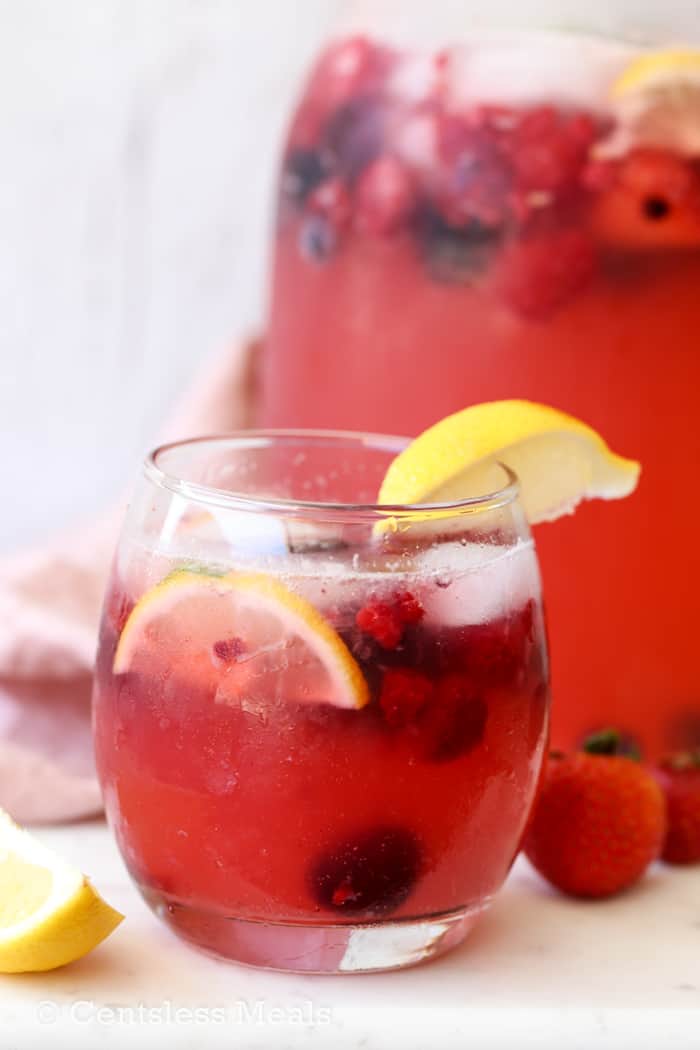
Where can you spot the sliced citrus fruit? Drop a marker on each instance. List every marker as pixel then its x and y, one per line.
pixel 670 69
pixel 653 202
pixel 49 913
pixel 657 102
pixel 558 459
pixel 245 636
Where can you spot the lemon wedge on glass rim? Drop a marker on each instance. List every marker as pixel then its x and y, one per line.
pixel 245 636
pixel 559 461
pixel 656 101
pixel 50 914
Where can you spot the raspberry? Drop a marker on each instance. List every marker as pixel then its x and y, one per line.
pixel 454 723
pixel 540 273
pixel 598 175
pixel 382 622
pixel 386 196
pixel 408 607
pixel 227 650
pixel 385 621
pixel 476 182
pixel 403 695
pixel 331 199
pixel 494 653
pixel 547 149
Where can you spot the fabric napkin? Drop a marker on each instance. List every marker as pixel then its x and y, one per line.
pixel 50 599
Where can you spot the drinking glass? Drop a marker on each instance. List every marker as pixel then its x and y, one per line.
pixel 319 722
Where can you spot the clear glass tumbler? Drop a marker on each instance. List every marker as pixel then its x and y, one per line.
pixel 319 722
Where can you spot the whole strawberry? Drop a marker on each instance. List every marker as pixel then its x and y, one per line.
pixel 599 822
pixel 679 777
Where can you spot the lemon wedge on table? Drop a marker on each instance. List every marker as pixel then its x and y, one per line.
pixel 657 103
pixel 559 460
pixel 49 913
pixel 240 636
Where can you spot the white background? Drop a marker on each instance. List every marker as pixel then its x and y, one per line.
pixel 138 143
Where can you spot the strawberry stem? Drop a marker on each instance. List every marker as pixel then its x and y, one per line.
pixel 611 742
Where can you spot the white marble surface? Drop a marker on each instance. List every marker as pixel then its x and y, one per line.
pixel 540 973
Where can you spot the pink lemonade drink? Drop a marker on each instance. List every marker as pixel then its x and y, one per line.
pixel 515 216
pixel 319 726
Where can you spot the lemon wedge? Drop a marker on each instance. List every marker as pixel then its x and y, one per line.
pixel 559 460
pixel 242 638
pixel 50 915
pixel 668 70
pixel 656 101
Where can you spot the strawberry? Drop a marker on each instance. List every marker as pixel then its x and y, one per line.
pixel 540 273
pixel 679 777
pixel 650 199
pixel 599 822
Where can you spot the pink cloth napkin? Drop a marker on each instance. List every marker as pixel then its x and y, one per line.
pixel 50 602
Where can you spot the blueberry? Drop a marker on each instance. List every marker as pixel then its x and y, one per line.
pixel 355 135
pixel 304 170
pixel 455 255
pixel 317 239
pixel 372 873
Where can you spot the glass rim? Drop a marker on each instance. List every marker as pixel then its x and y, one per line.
pixel 198 492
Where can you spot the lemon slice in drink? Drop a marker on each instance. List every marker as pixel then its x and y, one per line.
pixel 49 913
pixel 559 460
pixel 657 103
pixel 244 637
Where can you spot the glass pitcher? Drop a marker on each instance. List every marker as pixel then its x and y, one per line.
pixel 472 210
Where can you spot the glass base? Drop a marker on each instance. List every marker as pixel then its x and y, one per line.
pixel 332 949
